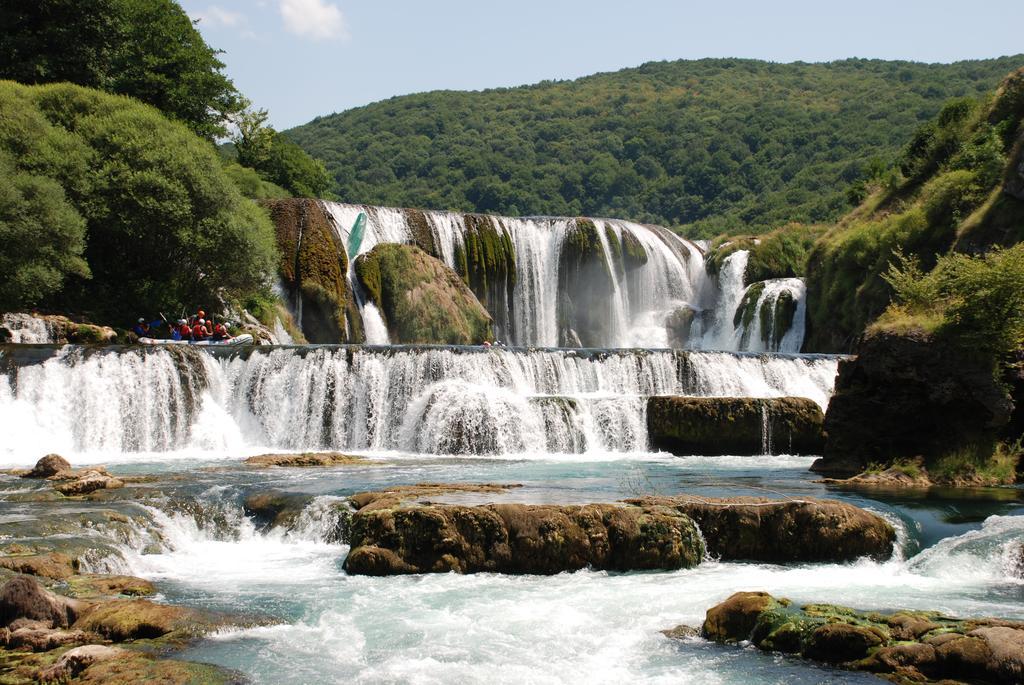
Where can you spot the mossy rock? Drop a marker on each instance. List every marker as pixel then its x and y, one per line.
pixel 678 324
pixel 734 425
pixel 313 271
pixel 486 262
pixel 421 299
pixel 586 287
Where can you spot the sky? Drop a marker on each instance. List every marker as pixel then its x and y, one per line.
pixel 305 58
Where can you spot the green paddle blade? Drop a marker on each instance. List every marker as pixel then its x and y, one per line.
pixel 355 236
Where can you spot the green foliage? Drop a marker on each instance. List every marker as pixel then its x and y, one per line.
pixel 43 238
pixel 977 302
pixel 421 299
pixel 251 184
pixel 951 197
pixel 148 49
pixel 164 226
pixel 277 159
pixel 289 166
pixel 717 145
pixel 781 253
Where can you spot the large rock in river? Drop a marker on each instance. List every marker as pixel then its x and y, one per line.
pixel 735 425
pixel 519 538
pixel 781 531
pixel 906 646
pixel 420 298
pixel 908 395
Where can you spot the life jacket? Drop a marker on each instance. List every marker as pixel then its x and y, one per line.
pixel 184 331
pixel 199 332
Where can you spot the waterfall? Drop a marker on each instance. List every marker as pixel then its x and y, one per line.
pixel 436 400
pixel 28 330
pixel 669 278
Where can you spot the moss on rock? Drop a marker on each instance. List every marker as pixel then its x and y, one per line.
pixel 520 539
pixel 735 425
pixel 421 299
pixel 486 261
pixel 313 271
pixel 906 647
pixel 585 287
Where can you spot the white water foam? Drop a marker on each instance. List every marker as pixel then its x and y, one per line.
pixel 110 405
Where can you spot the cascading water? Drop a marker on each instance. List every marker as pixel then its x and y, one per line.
pixel 422 400
pixel 668 276
pixel 26 329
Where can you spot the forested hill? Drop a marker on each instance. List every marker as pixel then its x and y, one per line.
pixel 715 145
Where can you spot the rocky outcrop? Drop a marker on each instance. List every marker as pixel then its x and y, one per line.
pixel 313 271
pixel 486 260
pixel 909 395
pixel 76 484
pixel 275 509
pixel 735 425
pixel 23 599
pixel 519 538
pixel 54 329
pixel 783 531
pixel 52 565
pixel 585 287
pixel 305 459
pixel 905 646
pixel 50 465
pixel 420 298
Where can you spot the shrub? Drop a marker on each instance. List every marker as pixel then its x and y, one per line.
pixel 164 226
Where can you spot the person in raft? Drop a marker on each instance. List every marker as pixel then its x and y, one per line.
pixel 145 330
pixel 220 332
pixel 199 331
pixel 181 331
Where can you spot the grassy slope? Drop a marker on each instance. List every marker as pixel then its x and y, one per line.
pixel 716 145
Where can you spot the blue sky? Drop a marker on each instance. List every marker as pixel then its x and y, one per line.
pixel 304 58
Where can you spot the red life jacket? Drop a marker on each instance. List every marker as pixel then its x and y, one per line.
pixel 198 332
pixel 184 331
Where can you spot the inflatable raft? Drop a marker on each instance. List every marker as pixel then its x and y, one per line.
pixel 244 339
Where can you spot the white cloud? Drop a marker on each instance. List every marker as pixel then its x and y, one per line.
pixel 314 19
pixel 218 16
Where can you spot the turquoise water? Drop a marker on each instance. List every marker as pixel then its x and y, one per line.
pixel 586 626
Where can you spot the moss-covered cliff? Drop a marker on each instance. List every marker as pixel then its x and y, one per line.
pixel 313 271
pixel 421 299
pixel 585 287
pixel 487 264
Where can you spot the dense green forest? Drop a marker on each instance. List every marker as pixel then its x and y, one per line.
pixel 714 145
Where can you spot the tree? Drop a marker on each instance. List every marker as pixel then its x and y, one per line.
pixel 277 159
pixel 147 49
pixel 43 237
pixel 164 226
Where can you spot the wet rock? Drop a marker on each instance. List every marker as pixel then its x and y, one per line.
pixel 423 493
pixel 305 459
pixel 313 271
pixel 100 586
pixel 49 465
pixel 421 299
pixel 130 668
pixel 735 425
pixel 275 509
pixel 519 539
pixel 681 632
pixel 88 482
pixel 23 597
pixel 76 660
pixel 734 619
pixel 137 619
pixel 37 636
pixel 780 531
pixel 678 325
pixel 910 395
pixel 52 565
pixel 1017 560
pixel 907 647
